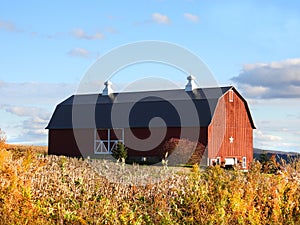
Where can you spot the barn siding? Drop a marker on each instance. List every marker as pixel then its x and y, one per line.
pixel 237 124
pixel 172 132
pixel 62 141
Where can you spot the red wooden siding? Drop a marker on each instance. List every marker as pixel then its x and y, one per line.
pixel 62 142
pixel 113 134
pixel 230 120
pixel 172 132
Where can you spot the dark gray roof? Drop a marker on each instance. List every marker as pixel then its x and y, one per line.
pixel 136 109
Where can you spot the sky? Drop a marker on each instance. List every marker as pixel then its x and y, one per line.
pixel 46 47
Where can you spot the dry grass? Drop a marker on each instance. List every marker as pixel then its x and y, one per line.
pixel 21 149
pixel 60 190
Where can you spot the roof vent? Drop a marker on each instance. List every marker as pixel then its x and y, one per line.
pixel 191 85
pixel 107 90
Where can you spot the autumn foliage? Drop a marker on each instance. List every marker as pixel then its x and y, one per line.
pixel 60 190
pixel 183 151
pixel 2 139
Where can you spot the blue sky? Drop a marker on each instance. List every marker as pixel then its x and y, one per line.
pixel 47 46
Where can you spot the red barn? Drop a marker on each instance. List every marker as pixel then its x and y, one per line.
pixel 218 119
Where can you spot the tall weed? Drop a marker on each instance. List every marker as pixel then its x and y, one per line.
pixel 61 190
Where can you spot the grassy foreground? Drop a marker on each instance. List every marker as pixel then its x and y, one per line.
pixel 60 190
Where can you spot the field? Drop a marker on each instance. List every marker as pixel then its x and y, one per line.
pixel 38 189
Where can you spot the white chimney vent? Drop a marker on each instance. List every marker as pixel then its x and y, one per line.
pixel 107 90
pixel 191 85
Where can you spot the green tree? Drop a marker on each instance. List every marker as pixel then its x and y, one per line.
pixel 263 157
pixel 120 152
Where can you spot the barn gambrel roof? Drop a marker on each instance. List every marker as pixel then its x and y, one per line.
pixel 95 110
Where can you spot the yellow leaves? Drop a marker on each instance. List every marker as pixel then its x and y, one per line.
pixel 195 169
pixel 2 140
pixel 5 156
pixel 54 190
pixel 28 159
pixel 15 192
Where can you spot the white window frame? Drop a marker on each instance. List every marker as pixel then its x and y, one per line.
pixel 244 162
pixel 99 144
pixel 229 159
pixel 218 161
pixel 212 161
pixel 230 95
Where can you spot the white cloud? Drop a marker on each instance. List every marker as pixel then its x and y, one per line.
pixel 38 113
pixel 81 34
pixel 32 127
pixel 271 80
pixel 9 26
pixel 297 133
pixel 79 52
pixel 253 91
pixel 268 141
pixel 26 109
pixel 111 30
pixel 191 17
pixel 78 33
pixel 160 18
pixel 276 122
pixel 34 93
pixel 260 136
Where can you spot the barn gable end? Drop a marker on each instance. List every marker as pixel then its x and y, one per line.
pixel 230 134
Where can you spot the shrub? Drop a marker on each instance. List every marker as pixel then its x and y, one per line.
pixel 270 165
pixel 183 151
pixel 120 152
pixel 16 204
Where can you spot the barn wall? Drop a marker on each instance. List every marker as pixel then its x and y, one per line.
pixel 237 125
pixel 173 132
pixel 63 142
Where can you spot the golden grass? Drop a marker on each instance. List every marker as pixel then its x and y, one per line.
pixel 60 190
pixel 43 150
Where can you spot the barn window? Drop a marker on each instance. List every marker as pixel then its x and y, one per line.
pixel 218 160
pixel 105 140
pixel 230 96
pixel 244 162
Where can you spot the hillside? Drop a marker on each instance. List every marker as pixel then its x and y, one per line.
pixel 43 150
pixel 287 156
